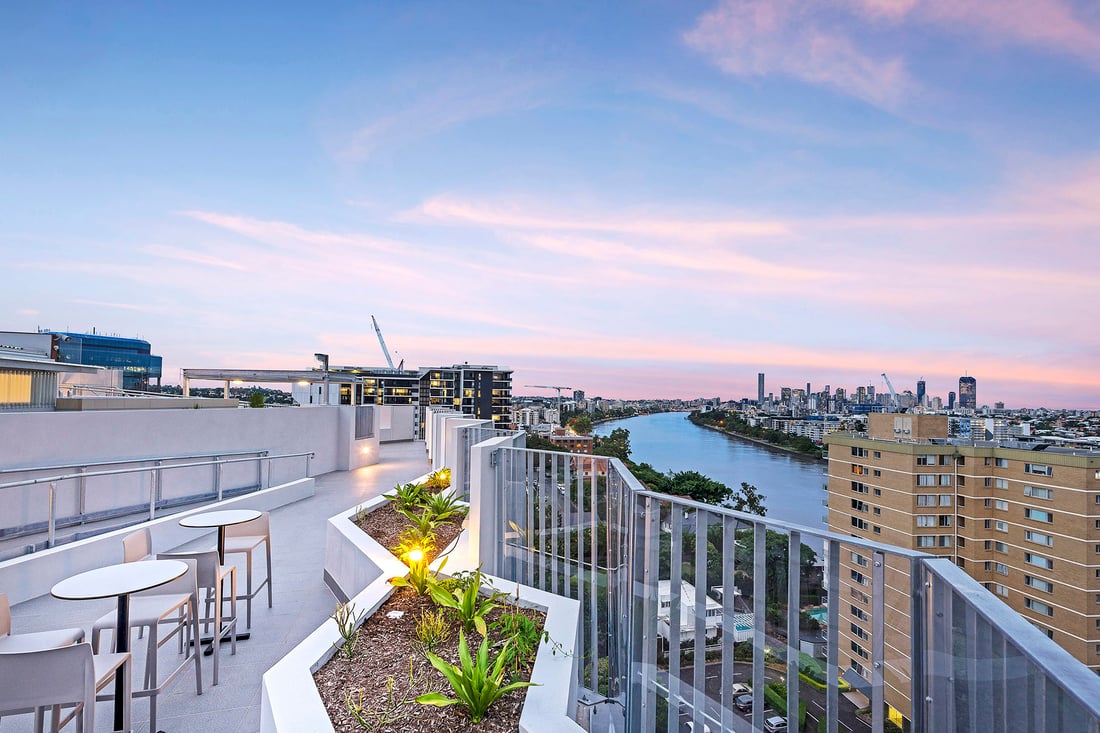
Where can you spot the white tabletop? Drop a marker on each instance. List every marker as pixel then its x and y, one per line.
pixel 117 580
pixel 221 518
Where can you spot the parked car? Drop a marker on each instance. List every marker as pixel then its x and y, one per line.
pixel 776 724
pixel 740 688
pixel 743 703
pixel 691 727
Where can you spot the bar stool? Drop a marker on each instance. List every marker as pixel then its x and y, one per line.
pixel 244 538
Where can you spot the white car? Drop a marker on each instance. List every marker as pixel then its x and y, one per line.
pixel 740 688
pixel 706 728
pixel 776 724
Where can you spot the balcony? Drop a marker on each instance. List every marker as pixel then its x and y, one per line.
pixel 584 527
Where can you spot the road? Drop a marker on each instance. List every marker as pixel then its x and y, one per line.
pixel 812 696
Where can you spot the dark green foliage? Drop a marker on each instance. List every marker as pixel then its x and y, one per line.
pixel 255 399
pixel 615 445
pixel 521 636
pixel 730 422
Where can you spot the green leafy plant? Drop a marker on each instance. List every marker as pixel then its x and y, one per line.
pixel 347 621
pixel 256 399
pixel 521 638
pixel 407 496
pixel 361 514
pixel 466 601
pixel 444 507
pixel 420 533
pixel 421 578
pixel 477 684
pixel 432 630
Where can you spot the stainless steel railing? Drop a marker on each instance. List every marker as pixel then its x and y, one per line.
pixel 155 471
pixel 680 600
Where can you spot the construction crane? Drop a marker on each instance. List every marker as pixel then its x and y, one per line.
pixel 550 386
pixel 382 341
pixel 893 394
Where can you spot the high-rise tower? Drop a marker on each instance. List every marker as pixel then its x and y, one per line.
pixel 760 388
pixel 968 393
pixel 920 391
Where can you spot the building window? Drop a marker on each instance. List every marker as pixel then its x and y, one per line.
pixel 858 632
pixel 858 487
pixel 860 452
pixel 858 505
pixel 859 470
pixel 1000 505
pixel 1038 607
pixel 1039 561
pixel 926 500
pixel 960 461
pixel 859 577
pixel 859 523
pixel 1000 483
pixel 926 520
pixel 962 480
pixel 876 473
pixel 962 540
pixel 926 460
pixel 1038 469
pixel 860 650
pixel 1038 538
pixel 1000 526
pixel 962 499
pixel 988 482
pixel 859 668
pixel 945 479
pixel 945 499
pixel 1002 463
pixel 926 540
pixel 878 492
pixel 1000 547
pixel 926 479
pixel 879 455
pixel 1000 590
pixel 858 559
pixel 945 520
pixel 1039 515
pixel 1037 492
pixel 863 616
pixel 876 511
pixel 1039 584
pixel 988 461
pixel 945 540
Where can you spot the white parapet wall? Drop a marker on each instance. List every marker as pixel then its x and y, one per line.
pixel 33 575
pixel 290 702
pixel 60 439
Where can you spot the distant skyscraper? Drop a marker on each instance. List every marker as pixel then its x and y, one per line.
pixel 760 388
pixel 807 388
pixel 950 400
pixel 578 395
pixel 920 392
pixel 968 393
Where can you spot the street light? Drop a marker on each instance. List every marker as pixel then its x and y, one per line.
pixel 323 358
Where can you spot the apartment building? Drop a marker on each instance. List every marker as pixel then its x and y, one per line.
pixel 1022 518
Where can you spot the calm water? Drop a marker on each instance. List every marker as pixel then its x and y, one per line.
pixel 669 441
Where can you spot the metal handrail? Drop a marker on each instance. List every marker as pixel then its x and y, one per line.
pixel 85 464
pixel 154 475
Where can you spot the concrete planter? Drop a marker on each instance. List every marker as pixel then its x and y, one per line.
pixel 357 569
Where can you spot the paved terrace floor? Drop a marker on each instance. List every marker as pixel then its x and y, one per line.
pixel 302 602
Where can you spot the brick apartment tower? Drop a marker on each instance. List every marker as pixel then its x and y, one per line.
pixel 1022 521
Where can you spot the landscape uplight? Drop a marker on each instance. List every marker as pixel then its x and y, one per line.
pixel 416 555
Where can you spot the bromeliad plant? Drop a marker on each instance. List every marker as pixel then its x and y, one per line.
pixel 422 578
pixel 420 533
pixel 443 508
pixel 465 600
pixel 407 496
pixel 440 479
pixel 477 684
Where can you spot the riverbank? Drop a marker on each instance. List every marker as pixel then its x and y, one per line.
pixel 762 443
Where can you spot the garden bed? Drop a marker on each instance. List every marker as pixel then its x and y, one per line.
pixel 388 699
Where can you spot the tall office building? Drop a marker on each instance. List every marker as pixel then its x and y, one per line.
pixel 950 400
pixel 920 392
pixel 1023 521
pixel 760 388
pixel 968 393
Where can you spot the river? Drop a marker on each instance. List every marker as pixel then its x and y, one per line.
pixel 792 484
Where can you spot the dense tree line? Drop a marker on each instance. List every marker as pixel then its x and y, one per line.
pixel 730 422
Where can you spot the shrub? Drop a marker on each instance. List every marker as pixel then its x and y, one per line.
pixel 407 496
pixel 256 399
pixel 521 638
pixel 444 507
pixel 432 629
pixel 440 479
pixel 466 601
pixel 476 683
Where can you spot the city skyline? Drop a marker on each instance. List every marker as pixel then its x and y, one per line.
pixel 648 201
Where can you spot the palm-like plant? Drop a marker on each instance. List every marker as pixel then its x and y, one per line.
pixel 443 507
pixel 466 602
pixel 407 496
pixel 476 683
pixel 421 530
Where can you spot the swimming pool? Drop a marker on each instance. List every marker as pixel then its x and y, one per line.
pixel 821 615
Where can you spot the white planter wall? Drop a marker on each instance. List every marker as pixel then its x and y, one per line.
pixel 290 701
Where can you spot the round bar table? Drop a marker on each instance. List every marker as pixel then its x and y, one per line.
pixel 119 581
pixel 221 519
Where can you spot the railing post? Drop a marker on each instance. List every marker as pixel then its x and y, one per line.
pixel 259 471
pixel 157 474
pixel 82 493
pixel 50 536
pixel 309 462
pixel 218 476
pixel 152 495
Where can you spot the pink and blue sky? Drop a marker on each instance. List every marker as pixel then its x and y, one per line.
pixel 655 199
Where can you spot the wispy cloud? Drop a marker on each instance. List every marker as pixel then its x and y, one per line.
pixel 195 258
pixel 756 38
